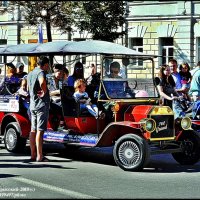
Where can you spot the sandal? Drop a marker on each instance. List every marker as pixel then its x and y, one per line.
pixel 30 160
pixel 44 159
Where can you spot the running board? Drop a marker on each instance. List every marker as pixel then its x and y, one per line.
pixel 65 136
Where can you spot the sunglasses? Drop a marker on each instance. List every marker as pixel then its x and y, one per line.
pixel 79 68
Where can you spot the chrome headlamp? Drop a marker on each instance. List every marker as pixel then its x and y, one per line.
pixel 148 124
pixel 186 123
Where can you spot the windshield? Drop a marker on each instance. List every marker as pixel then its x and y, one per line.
pixel 128 79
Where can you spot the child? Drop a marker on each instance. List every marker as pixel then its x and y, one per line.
pixel 185 75
pixel 81 96
pixel 186 78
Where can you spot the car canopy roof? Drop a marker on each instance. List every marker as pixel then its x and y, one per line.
pixel 70 48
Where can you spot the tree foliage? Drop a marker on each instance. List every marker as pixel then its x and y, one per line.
pixel 100 18
pixel 60 13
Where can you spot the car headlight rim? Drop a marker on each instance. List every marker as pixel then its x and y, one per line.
pixel 186 123
pixel 149 125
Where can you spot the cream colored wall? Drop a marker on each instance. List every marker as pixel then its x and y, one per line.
pixel 177 19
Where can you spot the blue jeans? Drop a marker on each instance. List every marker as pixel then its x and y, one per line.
pixel 178 110
pixel 196 109
pixel 93 110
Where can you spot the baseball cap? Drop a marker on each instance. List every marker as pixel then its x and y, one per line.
pixel 19 64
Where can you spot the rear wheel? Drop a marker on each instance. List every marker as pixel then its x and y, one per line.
pixel 131 152
pixel 190 142
pixel 12 140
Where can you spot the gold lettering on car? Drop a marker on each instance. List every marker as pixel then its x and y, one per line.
pixel 161 126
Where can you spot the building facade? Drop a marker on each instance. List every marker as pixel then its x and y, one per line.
pixel 167 28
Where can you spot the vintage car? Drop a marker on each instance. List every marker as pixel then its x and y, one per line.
pixel 135 125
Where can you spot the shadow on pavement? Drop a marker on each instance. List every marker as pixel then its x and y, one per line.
pixel 162 163
pixel 7 175
pixel 166 164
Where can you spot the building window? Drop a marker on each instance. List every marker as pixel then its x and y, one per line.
pixel 137 44
pixel 166 50
pixel 2 42
pixel 3 3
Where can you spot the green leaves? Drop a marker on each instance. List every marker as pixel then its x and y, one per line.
pixel 103 19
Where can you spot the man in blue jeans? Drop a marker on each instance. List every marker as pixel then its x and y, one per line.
pixel 39 108
pixel 177 108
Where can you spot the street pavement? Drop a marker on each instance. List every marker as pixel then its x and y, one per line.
pixel 90 174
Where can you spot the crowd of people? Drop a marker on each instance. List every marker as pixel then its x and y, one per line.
pixel 41 91
pixel 179 84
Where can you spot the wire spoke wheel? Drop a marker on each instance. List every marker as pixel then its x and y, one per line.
pixel 131 152
pixel 12 139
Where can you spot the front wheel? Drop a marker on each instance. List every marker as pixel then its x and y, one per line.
pixel 131 152
pixel 12 140
pixel 190 143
